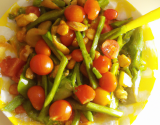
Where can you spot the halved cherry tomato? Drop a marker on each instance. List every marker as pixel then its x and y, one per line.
pixel 77 55
pixel 110 14
pixel 102 96
pixel 13 89
pixel 32 9
pixel 41 64
pixel 108 82
pixel 60 110
pixel 42 48
pixel 84 93
pixel 74 13
pixel 92 9
pixel 102 64
pixel 106 28
pixel 36 95
pixel 68 38
pixel 110 48
pixel 19 110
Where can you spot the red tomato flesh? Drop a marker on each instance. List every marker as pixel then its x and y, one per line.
pixel 32 9
pixel 110 14
pixel 60 110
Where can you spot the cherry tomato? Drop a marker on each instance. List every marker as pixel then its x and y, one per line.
pixel 36 95
pixel 60 110
pixel 74 13
pixel 110 14
pixel 13 89
pixel 108 82
pixel 106 28
pixel 19 110
pixel 32 9
pixel 110 48
pixel 92 9
pixel 77 55
pixel 84 93
pixel 68 38
pixel 41 64
pixel 102 96
pixel 102 64
pixel 42 48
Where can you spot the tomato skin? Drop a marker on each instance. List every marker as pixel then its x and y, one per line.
pixel 108 82
pixel 77 55
pixel 19 110
pixel 32 9
pixel 74 13
pixel 36 95
pixel 68 38
pixel 60 110
pixel 102 64
pixel 110 48
pixel 102 97
pixel 13 89
pixel 85 93
pixel 41 64
pixel 110 14
pixel 106 28
pixel 42 48
pixel 92 9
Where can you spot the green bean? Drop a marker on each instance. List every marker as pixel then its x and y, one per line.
pixel 57 22
pixel 76 118
pixel 103 3
pixel 57 80
pixel 18 100
pixel 44 84
pixel 73 77
pixel 97 73
pixel 95 108
pixel 37 3
pixel 51 15
pixel 78 74
pixel 114 101
pixel 42 10
pixel 89 115
pixel 54 59
pixel 114 68
pixel 59 3
pixel 96 37
pixel 87 60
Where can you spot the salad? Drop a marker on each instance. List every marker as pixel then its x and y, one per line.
pixel 73 60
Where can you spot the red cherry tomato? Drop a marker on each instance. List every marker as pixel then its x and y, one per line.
pixel 32 9
pixel 13 89
pixel 102 64
pixel 19 110
pixel 42 48
pixel 41 64
pixel 68 38
pixel 85 93
pixel 110 14
pixel 108 82
pixel 106 28
pixel 92 9
pixel 110 48
pixel 77 55
pixel 60 110
pixel 36 95
pixel 74 13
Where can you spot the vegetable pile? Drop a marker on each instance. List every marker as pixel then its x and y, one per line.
pixel 73 57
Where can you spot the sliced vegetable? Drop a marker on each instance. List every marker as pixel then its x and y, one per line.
pixel 77 26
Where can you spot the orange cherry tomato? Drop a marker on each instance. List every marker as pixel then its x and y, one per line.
pixel 106 28
pixel 32 9
pixel 68 38
pixel 77 55
pixel 13 89
pixel 102 64
pixel 41 64
pixel 42 48
pixel 108 82
pixel 84 93
pixel 110 48
pixel 36 95
pixel 92 9
pixel 19 110
pixel 102 96
pixel 74 13
pixel 60 110
pixel 110 14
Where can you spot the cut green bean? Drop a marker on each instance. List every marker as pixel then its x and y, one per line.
pixel 114 68
pixel 18 100
pixel 44 84
pixel 78 74
pixel 88 115
pixel 97 73
pixel 76 118
pixel 96 37
pixel 73 77
pixel 59 3
pixel 54 59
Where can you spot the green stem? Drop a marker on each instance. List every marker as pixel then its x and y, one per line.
pixel 76 118
pixel 97 73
